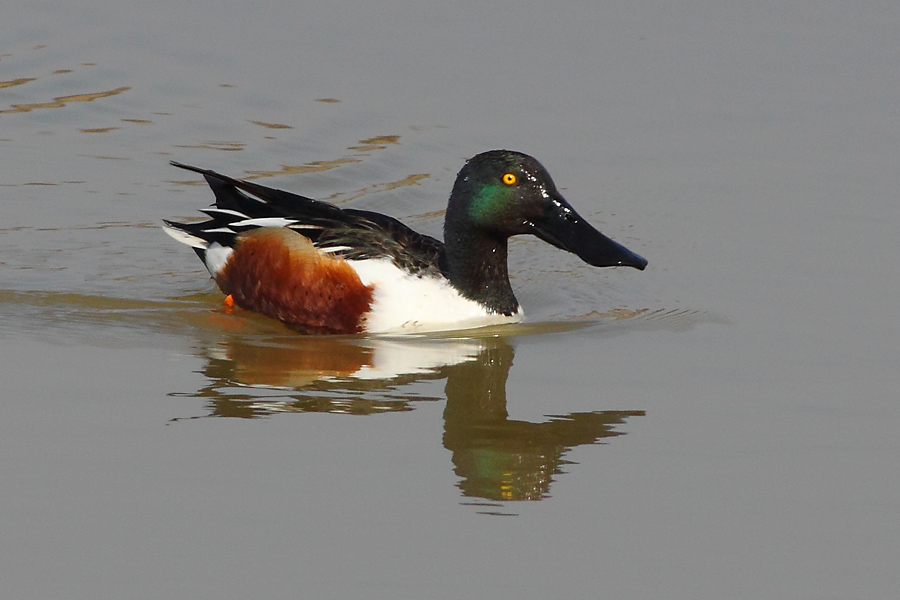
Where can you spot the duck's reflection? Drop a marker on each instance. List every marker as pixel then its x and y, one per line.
pixel 495 457
pixel 503 459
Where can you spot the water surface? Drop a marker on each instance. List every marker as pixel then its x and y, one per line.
pixel 722 424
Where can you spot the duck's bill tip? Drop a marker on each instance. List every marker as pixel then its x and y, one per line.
pixel 634 260
pixel 567 230
pixel 600 251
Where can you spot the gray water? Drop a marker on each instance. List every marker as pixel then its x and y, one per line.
pixel 722 425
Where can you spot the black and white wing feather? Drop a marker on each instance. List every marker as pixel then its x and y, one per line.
pixel 352 234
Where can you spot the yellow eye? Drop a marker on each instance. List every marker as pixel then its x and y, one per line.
pixel 509 179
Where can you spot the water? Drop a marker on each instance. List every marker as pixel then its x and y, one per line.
pixel 722 424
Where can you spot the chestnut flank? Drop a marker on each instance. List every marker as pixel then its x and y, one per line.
pixel 279 273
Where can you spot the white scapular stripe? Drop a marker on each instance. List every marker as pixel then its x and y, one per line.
pixel 223 211
pixel 264 222
pixel 185 238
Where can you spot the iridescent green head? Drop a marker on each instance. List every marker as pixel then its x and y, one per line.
pixel 502 193
pixel 499 191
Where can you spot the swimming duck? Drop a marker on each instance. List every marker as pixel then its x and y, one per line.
pixel 321 269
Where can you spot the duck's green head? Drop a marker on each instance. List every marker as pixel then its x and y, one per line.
pixel 502 193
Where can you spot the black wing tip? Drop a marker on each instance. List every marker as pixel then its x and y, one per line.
pixel 201 170
pixel 185 227
pixel 212 178
pixel 175 163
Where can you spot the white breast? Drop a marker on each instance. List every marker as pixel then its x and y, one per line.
pixel 406 303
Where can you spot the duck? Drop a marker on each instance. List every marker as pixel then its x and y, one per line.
pixel 322 269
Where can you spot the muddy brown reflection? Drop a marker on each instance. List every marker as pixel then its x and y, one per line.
pixel 495 457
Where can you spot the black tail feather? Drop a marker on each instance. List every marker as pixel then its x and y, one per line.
pixel 279 202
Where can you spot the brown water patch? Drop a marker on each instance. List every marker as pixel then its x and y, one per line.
pixel 375 143
pixel 271 125
pixel 14 82
pixel 311 167
pixel 62 101
pixel 223 146
pixel 378 187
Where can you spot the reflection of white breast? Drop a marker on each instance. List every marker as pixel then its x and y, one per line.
pixel 394 358
pixel 406 303
pixel 295 363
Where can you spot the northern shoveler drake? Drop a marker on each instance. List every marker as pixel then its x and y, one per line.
pixel 323 269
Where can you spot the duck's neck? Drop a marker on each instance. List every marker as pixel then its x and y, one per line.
pixel 476 266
